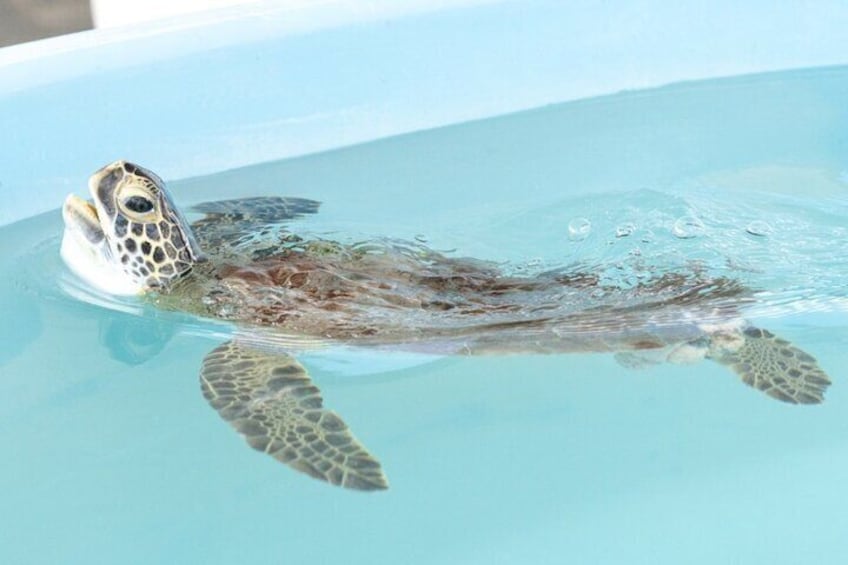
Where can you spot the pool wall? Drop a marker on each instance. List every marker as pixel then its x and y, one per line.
pixel 245 85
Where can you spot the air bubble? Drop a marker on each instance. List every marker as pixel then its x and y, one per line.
pixel 688 227
pixel 579 228
pixel 624 230
pixel 759 228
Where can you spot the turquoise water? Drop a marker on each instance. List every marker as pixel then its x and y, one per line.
pixel 112 455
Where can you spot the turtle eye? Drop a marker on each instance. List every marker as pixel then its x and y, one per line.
pixel 138 204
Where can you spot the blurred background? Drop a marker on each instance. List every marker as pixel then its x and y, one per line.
pixel 28 20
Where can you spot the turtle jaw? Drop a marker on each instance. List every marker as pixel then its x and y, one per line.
pixel 81 216
pixel 85 249
pixel 92 217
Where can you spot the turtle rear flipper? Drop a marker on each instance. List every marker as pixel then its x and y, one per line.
pixel 772 365
pixel 270 399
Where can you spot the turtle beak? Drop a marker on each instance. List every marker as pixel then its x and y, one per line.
pixel 81 216
pixel 103 182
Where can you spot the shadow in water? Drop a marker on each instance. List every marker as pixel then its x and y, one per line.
pixel 132 340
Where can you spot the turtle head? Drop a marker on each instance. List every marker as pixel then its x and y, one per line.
pixel 129 238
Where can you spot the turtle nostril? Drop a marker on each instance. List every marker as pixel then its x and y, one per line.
pixel 113 177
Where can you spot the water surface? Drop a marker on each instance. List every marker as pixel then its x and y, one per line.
pixel 114 456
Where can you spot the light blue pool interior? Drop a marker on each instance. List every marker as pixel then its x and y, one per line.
pixel 114 456
pixel 254 84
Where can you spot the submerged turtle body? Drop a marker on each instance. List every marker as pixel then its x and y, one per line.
pixel 238 263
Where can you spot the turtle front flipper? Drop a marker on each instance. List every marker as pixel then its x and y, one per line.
pixel 270 399
pixel 771 364
pixel 257 210
pixel 243 225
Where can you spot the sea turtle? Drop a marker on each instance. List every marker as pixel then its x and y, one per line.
pixel 239 263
